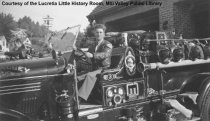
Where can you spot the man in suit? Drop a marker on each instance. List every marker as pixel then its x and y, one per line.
pixel 100 53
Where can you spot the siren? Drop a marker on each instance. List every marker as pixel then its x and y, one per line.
pixel 142 67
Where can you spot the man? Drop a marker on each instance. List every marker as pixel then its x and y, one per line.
pixel 18 51
pixel 100 53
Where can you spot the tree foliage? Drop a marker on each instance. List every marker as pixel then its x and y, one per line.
pixel 89 31
pixel 88 36
pixel 33 29
pixel 7 23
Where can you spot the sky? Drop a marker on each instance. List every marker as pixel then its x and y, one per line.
pixel 64 16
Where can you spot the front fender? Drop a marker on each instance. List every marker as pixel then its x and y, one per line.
pixel 195 83
pixel 9 114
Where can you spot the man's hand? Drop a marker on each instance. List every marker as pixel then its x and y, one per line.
pixel 89 55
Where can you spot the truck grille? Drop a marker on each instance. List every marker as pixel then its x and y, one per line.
pixel 29 103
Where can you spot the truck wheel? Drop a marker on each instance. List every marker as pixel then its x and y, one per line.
pixel 205 106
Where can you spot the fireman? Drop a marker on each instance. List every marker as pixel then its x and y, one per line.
pixel 100 52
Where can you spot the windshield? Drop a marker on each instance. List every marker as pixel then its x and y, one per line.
pixel 65 39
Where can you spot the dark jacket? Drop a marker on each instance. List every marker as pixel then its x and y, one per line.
pixel 102 56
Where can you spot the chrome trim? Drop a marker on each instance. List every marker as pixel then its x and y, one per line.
pixel 32 90
pixel 34 77
pixel 87 112
pixel 177 64
pixel 20 88
pixel 37 83
pixel 177 39
pixel 91 111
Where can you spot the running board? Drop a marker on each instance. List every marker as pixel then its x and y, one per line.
pixel 195 119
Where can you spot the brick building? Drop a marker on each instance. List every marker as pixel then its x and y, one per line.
pixel 191 18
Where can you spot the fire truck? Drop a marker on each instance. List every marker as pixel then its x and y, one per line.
pixel 150 79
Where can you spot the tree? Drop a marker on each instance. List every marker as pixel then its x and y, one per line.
pixel 33 29
pixel 89 32
pixel 43 31
pixel 27 24
pixel 7 24
pixel 81 40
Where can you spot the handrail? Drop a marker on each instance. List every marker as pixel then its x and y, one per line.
pixel 158 65
pixel 150 40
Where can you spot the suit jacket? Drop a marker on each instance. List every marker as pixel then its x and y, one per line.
pixel 101 56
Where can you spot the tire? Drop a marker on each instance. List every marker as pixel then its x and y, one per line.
pixel 204 105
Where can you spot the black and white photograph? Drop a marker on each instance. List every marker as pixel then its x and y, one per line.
pixel 104 60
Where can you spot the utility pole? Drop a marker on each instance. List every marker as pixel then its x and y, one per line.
pixel 48 21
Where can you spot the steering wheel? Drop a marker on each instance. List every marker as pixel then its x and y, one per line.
pixel 81 55
pixel 84 64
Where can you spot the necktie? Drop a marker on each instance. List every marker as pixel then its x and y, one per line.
pixel 98 45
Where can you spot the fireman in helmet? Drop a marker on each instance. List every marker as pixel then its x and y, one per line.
pixel 100 53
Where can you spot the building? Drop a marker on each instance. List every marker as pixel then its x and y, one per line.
pixel 191 18
pixel 3 44
pixel 27 42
